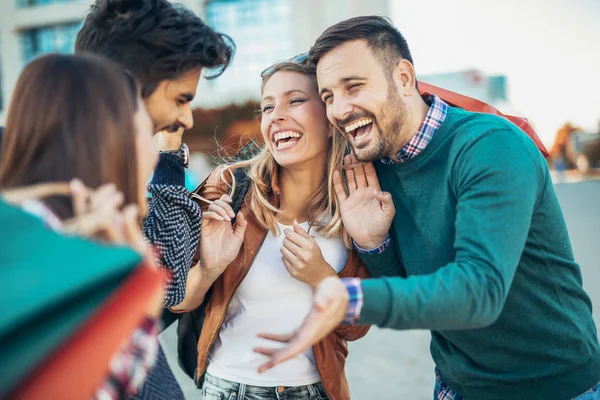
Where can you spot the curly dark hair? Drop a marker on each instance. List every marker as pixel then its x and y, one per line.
pixel 154 40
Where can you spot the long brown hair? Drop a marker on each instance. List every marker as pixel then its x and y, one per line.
pixel 71 117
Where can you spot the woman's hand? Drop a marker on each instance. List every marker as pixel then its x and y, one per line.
pixel 303 258
pixel 98 214
pixel 220 242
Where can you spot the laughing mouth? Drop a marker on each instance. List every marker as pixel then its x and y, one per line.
pixel 286 139
pixel 354 129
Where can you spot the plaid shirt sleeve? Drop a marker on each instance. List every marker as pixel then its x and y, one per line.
pixel 377 250
pixel 129 367
pixel 355 303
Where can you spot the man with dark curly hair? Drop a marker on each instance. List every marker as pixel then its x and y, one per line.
pixel 166 47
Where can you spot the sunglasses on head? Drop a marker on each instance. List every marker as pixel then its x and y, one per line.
pixel 299 59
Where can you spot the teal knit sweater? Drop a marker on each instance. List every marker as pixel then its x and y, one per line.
pixel 480 256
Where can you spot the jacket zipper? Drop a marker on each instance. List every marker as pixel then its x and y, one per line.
pixel 228 302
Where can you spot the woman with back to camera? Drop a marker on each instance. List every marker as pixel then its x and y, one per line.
pixel 80 119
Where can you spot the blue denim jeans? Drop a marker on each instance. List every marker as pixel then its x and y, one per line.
pixel 215 388
pixel 443 392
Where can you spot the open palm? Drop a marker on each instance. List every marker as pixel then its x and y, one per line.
pixel 367 213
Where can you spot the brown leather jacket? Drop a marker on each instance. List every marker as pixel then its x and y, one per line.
pixel 330 353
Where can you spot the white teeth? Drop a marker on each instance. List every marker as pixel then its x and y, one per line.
pixel 285 145
pixel 286 135
pixel 355 125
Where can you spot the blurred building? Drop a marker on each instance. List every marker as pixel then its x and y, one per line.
pixel 29 28
pixel 268 31
pixel 265 31
pixel 474 83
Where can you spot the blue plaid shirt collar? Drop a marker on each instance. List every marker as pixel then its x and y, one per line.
pixel 432 122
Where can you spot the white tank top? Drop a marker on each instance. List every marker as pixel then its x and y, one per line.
pixel 269 300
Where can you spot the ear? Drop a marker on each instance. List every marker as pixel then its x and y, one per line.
pixel 404 77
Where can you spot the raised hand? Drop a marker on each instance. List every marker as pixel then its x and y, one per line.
pixel 302 257
pixel 220 241
pixel 367 212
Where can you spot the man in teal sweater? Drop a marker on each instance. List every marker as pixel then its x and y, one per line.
pixel 467 238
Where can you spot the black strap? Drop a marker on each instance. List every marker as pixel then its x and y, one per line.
pixel 241 188
pixel 241 177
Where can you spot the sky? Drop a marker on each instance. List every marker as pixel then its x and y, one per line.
pixel 549 50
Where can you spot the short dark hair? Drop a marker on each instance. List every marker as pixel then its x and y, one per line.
pixel 381 36
pixel 154 40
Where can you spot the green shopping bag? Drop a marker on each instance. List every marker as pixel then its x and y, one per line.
pixel 50 286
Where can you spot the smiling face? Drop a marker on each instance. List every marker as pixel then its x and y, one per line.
pixel 362 99
pixel 169 105
pixel 294 124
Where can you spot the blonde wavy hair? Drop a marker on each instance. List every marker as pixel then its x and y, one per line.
pixel 262 167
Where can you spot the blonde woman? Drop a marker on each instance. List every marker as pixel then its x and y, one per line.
pixel 287 237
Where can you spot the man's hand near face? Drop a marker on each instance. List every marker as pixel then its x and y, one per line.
pixel 169 141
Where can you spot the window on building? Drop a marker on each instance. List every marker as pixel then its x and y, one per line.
pixel 262 32
pixel 35 3
pixel 50 39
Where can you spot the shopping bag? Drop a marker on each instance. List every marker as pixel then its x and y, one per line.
pixel 470 104
pixel 65 302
